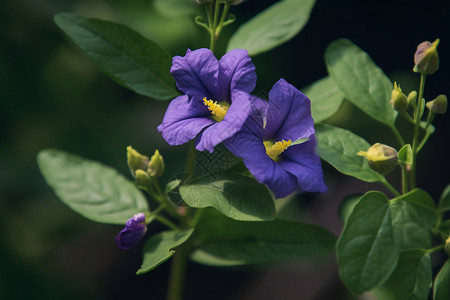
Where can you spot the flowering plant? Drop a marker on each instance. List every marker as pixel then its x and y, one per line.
pixel 228 214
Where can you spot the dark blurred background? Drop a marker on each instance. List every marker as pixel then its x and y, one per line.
pixel 51 95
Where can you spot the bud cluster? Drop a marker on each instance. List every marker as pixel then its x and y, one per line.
pixel 142 168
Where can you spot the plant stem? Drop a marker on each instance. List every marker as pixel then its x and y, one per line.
pixel 166 222
pixel 437 248
pixel 390 187
pixel 417 118
pixel 398 135
pixel 190 162
pixel 404 179
pixel 178 272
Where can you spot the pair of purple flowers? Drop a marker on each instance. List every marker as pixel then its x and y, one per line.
pixel 217 107
pixel 275 139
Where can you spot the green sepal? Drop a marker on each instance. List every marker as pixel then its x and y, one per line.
pixel 405 155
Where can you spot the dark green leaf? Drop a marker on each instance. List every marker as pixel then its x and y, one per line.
pixel 444 202
pixel 361 81
pixel 405 155
pixel 225 242
pixel 367 251
pixel 93 190
pixel 445 228
pixel 326 98
pixel 412 278
pixel 339 147
pixel 236 196
pixel 159 248
pixel 441 289
pixel 123 54
pixel 272 27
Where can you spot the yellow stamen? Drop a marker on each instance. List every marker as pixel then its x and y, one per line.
pixel 273 150
pixel 218 111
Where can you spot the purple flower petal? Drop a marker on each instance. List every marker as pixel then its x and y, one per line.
pixel 301 161
pixel 236 72
pixel 251 149
pixel 234 120
pixel 289 114
pixel 134 230
pixel 183 120
pixel 196 74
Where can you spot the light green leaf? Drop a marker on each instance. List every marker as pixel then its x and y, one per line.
pixel 272 27
pixel 405 155
pixel 412 277
pixel 367 251
pixel 225 242
pixel 237 196
pixel 441 288
pixel 444 202
pixel 93 190
pixel 159 248
pixel 360 80
pixel 339 147
pixel 326 98
pixel 123 54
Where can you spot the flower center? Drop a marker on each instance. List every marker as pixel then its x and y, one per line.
pixel 218 110
pixel 273 150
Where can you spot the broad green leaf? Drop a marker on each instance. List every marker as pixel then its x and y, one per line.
pixel 412 277
pixel 339 147
pixel 444 202
pixel 445 228
pixel 441 288
pixel 236 196
pixel 93 190
pixel 360 80
pixel 326 98
pixel 225 242
pixel 123 54
pixel 413 214
pixel 405 155
pixel 367 251
pixel 272 27
pixel 159 248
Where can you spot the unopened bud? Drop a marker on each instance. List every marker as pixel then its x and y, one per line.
pixel 156 165
pixel 412 97
pixel 142 178
pixel 447 246
pixel 438 105
pixel 399 102
pixel 381 158
pixel 426 58
pixel 136 161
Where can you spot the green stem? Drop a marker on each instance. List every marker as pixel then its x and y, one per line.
pixel 390 187
pixel 166 222
pixel 190 162
pixel 222 19
pixel 404 179
pixel 178 272
pixel 437 248
pixel 417 118
pixel 407 116
pixel 398 135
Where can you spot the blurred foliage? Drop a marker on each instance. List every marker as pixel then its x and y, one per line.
pixel 51 95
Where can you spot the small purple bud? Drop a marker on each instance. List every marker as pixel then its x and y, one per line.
pixel 134 230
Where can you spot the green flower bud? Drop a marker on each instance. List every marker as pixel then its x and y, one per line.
pixel 447 246
pixel 399 102
pixel 136 161
pixel 412 97
pixel 382 158
pixel 438 105
pixel 142 178
pixel 156 165
pixel 426 58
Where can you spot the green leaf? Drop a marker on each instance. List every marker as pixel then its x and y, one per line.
pixel 326 98
pixel 236 196
pixel 441 288
pixel 444 202
pixel 367 251
pixel 339 147
pixel 445 228
pixel 130 59
pixel 225 242
pixel 412 277
pixel 360 80
pixel 405 155
pixel 272 27
pixel 176 8
pixel 159 248
pixel 347 205
pixel 93 190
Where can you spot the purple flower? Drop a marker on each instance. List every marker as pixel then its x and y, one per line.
pixel 269 144
pixel 134 230
pixel 216 102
